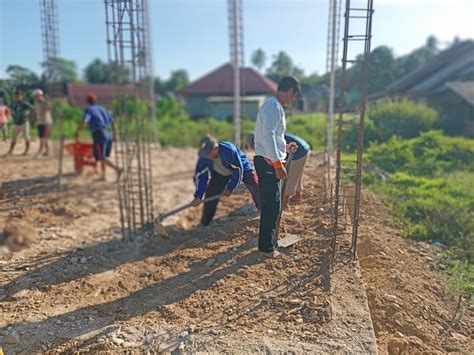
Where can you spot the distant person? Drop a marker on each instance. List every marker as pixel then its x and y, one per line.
pixel 44 119
pixel 99 120
pixel 220 168
pixel 5 114
pixel 270 153
pixel 294 187
pixel 21 125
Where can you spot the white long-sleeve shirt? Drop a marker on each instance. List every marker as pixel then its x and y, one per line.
pixel 270 130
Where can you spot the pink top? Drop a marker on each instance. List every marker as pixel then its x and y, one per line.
pixel 4 114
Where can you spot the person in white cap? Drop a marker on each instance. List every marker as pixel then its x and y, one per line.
pixel 43 120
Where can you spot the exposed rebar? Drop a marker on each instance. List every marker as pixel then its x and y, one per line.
pixel 129 48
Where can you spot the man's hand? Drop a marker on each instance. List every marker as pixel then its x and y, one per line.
pixel 227 192
pixel 196 202
pixel 292 147
pixel 281 173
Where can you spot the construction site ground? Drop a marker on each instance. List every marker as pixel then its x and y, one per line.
pixel 69 282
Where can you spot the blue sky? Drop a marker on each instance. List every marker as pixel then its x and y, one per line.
pixel 192 34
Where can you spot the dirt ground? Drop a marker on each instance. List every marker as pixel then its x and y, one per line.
pixel 77 285
pixel 411 305
pixel 69 283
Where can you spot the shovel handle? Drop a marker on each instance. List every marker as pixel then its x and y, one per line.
pixel 282 195
pixel 182 208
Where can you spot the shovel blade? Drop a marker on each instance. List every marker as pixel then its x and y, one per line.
pixel 288 240
pixel 161 230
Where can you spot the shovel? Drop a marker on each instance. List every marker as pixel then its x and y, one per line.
pixel 289 239
pixel 158 221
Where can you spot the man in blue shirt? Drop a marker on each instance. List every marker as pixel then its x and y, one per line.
pixel 294 187
pixel 99 120
pixel 226 166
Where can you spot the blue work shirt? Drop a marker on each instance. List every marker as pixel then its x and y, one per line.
pixel 303 146
pixel 97 117
pixel 232 158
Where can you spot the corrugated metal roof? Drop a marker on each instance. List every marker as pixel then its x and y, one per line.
pixel 451 64
pixel 464 89
pixel 221 82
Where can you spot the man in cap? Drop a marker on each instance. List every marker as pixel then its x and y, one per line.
pixel 21 125
pixel 226 166
pixel 270 154
pixel 99 120
pixel 44 119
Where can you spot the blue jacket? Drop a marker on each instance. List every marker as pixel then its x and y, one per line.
pixel 232 158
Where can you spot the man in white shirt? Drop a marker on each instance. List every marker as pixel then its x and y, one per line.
pixel 270 153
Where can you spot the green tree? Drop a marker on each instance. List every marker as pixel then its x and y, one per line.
pixel 311 80
pixel 116 73
pixel 22 75
pixel 419 56
pixel 99 72
pixel 283 65
pixel 159 86
pixel 178 80
pixel 96 72
pixel 258 58
pixel 59 70
pixel 383 70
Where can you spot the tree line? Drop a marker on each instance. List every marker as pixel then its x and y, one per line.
pixel 385 69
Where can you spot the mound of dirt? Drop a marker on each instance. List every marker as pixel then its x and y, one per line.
pixel 17 235
pixel 411 303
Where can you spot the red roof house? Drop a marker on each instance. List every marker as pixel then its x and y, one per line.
pixel 212 94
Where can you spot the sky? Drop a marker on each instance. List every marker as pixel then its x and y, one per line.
pixel 192 34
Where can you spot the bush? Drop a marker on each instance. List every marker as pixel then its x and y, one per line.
pixel 310 127
pixel 350 132
pixel 404 118
pixel 428 155
pixel 431 189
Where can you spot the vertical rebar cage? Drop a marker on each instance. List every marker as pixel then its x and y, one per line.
pixel 49 28
pixel 129 51
pixel 348 183
pixel 237 58
pixel 331 66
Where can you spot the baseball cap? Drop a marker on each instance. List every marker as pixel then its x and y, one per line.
pixel 208 143
pixel 91 97
pixel 289 82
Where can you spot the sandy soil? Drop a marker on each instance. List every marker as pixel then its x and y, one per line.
pixel 69 283
pixel 411 305
pixel 77 285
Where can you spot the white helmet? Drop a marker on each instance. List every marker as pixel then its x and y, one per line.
pixel 38 92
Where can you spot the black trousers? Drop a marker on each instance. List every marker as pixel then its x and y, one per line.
pixel 217 186
pixel 270 194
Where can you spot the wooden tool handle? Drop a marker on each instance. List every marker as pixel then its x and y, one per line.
pixel 182 208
